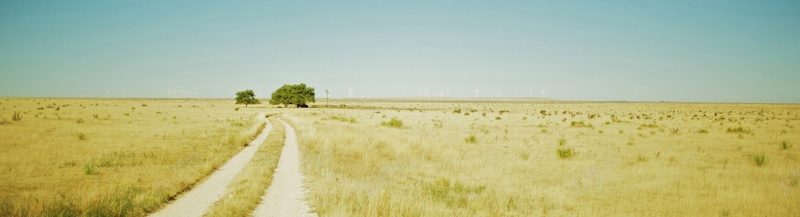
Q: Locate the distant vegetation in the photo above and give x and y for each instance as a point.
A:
(246, 97)
(295, 94)
(394, 122)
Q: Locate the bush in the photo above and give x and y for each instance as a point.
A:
(562, 141)
(737, 130)
(88, 169)
(457, 111)
(566, 153)
(471, 139)
(579, 124)
(393, 123)
(16, 116)
(759, 159)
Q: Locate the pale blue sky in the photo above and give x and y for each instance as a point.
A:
(713, 51)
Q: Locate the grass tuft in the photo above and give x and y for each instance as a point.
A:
(785, 145)
(81, 136)
(579, 124)
(88, 169)
(566, 153)
(760, 159)
(16, 116)
(394, 122)
(737, 130)
(471, 139)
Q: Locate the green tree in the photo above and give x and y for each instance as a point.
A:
(295, 94)
(246, 97)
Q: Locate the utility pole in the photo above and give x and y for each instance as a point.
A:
(327, 93)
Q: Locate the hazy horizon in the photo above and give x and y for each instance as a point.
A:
(682, 51)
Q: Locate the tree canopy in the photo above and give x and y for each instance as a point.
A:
(295, 94)
(246, 97)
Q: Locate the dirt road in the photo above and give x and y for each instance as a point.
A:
(284, 197)
(196, 201)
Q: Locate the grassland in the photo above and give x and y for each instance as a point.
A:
(550, 159)
(393, 157)
(112, 157)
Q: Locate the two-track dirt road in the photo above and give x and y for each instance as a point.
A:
(284, 196)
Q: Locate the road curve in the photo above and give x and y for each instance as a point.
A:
(284, 196)
(196, 201)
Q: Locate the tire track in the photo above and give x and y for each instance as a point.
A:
(196, 201)
(285, 195)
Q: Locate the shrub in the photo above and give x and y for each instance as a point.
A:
(702, 131)
(88, 169)
(236, 109)
(759, 159)
(79, 121)
(579, 124)
(457, 111)
(737, 130)
(471, 139)
(785, 145)
(437, 123)
(562, 141)
(16, 116)
(81, 136)
(394, 122)
(566, 153)
(502, 111)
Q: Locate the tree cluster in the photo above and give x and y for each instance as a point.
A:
(295, 94)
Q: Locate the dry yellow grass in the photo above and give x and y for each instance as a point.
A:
(109, 157)
(628, 159)
(245, 191)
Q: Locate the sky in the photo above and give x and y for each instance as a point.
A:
(685, 51)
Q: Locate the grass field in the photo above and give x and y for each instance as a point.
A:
(477, 158)
(112, 157)
(408, 157)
